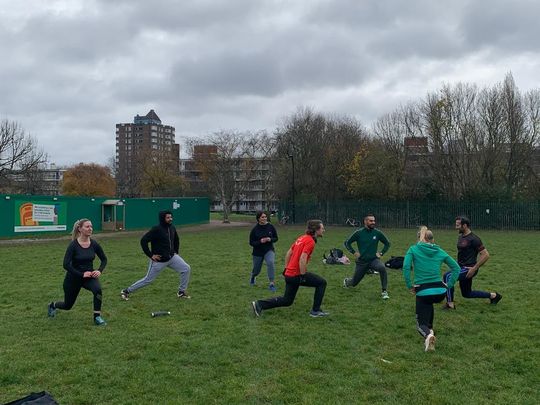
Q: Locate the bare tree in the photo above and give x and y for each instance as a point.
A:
(263, 146)
(521, 129)
(19, 153)
(228, 167)
(406, 168)
(320, 147)
(450, 124)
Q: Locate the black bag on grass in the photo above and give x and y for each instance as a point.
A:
(336, 256)
(395, 262)
(35, 398)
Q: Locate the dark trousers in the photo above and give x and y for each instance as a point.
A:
(72, 287)
(425, 313)
(291, 288)
(465, 285)
(363, 267)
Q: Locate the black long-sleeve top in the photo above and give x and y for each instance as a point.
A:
(78, 259)
(262, 231)
(164, 241)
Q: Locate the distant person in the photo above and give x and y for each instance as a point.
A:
(368, 257)
(471, 255)
(262, 238)
(296, 274)
(163, 252)
(425, 259)
(80, 273)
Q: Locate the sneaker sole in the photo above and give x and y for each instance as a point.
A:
(254, 307)
(429, 346)
(318, 316)
(124, 296)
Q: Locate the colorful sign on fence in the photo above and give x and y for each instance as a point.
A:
(40, 216)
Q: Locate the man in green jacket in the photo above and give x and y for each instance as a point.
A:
(368, 257)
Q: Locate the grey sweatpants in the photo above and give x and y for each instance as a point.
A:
(363, 267)
(154, 268)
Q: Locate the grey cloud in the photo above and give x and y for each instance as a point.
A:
(68, 77)
(503, 26)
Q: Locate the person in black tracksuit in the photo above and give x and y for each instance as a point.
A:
(80, 273)
(262, 238)
(163, 252)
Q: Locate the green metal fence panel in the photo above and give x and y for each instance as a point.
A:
(143, 212)
(30, 215)
(507, 215)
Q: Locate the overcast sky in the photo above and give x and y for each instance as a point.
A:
(72, 69)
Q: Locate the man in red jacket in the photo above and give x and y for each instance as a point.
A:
(296, 273)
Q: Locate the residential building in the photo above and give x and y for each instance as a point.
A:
(139, 142)
(46, 180)
(257, 192)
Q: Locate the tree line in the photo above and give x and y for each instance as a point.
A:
(458, 142)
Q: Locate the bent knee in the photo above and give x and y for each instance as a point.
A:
(288, 303)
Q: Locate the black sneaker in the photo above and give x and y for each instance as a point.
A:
(124, 294)
(183, 294)
(257, 310)
(318, 314)
(51, 310)
(493, 301)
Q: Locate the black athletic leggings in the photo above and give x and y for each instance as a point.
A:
(72, 287)
(424, 312)
(291, 288)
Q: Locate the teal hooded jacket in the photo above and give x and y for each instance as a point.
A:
(425, 260)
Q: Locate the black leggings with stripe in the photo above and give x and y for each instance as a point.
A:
(72, 287)
(425, 313)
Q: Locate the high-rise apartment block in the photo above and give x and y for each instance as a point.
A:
(140, 143)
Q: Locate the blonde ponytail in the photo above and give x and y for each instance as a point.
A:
(76, 226)
(425, 235)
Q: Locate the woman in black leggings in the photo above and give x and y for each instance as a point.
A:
(80, 273)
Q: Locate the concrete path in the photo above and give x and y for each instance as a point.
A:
(213, 224)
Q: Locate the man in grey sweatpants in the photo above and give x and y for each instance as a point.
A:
(163, 252)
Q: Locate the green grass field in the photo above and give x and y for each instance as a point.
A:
(213, 350)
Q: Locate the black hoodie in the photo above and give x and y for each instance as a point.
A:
(163, 239)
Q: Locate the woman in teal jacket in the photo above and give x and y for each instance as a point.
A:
(425, 259)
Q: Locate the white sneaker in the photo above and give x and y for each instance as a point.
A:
(384, 295)
(429, 343)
